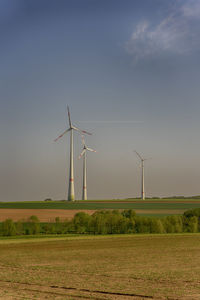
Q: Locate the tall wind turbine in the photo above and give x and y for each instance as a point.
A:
(83, 154)
(71, 195)
(142, 181)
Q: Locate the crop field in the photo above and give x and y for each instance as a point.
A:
(111, 267)
(94, 205)
(48, 211)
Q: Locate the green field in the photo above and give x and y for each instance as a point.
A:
(105, 267)
(93, 205)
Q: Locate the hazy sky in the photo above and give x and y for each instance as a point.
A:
(130, 72)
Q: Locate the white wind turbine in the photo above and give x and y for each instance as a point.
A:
(83, 154)
(71, 195)
(142, 181)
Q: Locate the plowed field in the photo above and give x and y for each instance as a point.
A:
(111, 267)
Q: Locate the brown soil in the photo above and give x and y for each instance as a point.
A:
(125, 267)
(44, 215)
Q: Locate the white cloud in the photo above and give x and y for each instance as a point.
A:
(177, 33)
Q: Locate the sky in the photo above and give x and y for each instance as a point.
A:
(129, 71)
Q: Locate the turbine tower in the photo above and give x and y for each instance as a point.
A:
(71, 195)
(142, 179)
(83, 154)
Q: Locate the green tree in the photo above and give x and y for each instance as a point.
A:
(129, 213)
(8, 228)
(98, 223)
(81, 222)
(19, 227)
(193, 213)
(156, 226)
(190, 224)
(33, 225)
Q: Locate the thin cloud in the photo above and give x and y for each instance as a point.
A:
(191, 9)
(177, 33)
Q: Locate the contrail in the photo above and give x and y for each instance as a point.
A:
(113, 122)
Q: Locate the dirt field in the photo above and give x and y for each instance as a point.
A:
(44, 215)
(49, 215)
(123, 267)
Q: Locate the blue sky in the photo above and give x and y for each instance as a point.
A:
(129, 70)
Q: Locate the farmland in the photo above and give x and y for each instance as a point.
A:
(109, 204)
(80, 267)
(47, 211)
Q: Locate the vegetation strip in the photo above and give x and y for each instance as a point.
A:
(105, 222)
(99, 205)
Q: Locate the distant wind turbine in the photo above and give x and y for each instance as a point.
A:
(71, 195)
(83, 154)
(142, 181)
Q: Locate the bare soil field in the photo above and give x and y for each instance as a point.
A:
(111, 267)
(49, 215)
(44, 215)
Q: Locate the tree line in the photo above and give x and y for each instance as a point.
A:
(105, 222)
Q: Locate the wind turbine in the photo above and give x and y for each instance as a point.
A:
(71, 195)
(142, 166)
(83, 154)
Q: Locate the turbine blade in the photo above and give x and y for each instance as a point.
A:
(92, 150)
(148, 158)
(62, 135)
(86, 132)
(80, 130)
(82, 153)
(83, 140)
(138, 155)
(69, 117)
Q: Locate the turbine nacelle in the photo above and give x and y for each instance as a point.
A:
(71, 127)
(85, 148)
(141, 158)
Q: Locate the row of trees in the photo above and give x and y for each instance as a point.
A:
(105, 222)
